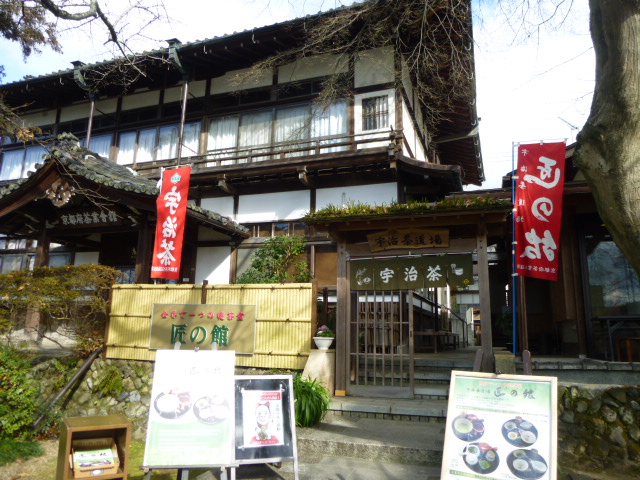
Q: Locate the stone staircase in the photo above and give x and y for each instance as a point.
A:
(396, 430)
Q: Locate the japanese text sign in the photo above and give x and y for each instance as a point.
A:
(408, 238)
(90, 217)
(538, 209)
(172, 214)
(500, 427)
(405, 273)
(230, 327)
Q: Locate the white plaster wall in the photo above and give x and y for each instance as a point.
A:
(198, 89)
(213, 264)
(230, 81)
(273, 206)
(108, 105)
(410, 134)
(39, 119)
(139, 100)
(173, 94)
(374, 67)
(312, 67)
(221, 205)
(378, 194)
(82, 258)
(75, 111)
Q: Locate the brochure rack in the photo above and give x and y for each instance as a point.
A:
(115, 427)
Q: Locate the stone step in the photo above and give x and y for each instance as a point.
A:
(439, 392)
(382, 440)
(420, 410)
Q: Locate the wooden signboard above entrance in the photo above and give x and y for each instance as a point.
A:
(408, 238)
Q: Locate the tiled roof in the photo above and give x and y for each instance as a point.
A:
(89, 165)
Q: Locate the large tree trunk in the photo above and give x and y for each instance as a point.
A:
(608, 152)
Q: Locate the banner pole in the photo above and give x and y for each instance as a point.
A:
(514, 273)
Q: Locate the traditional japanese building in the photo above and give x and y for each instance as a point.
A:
(266, 156)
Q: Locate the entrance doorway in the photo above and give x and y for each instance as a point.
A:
(381, 344)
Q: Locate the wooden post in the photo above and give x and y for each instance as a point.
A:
(342, 320)
(144, 250)
(32, 322)
(485, 298)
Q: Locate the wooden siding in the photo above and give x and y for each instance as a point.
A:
(284, 325)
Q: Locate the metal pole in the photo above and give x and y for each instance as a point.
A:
(185, 91)
(87, 142)
(514, 272)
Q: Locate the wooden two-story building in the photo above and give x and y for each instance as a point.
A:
(266, 154)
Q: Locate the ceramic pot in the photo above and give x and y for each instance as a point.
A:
(323, 343)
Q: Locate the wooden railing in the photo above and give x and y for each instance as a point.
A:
(321, 146)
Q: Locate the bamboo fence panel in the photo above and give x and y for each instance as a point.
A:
(285, 318)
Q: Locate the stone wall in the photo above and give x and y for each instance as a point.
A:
(598, 428)
(598, 425)
(109, 387)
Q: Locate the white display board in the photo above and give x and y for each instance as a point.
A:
(501, 427)
(191, 411)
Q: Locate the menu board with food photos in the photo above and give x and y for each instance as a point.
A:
(191, 412)
(501, 427)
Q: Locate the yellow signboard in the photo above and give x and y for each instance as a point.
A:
(230, 327)
(408, 238)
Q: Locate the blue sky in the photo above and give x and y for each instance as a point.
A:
(529, 88)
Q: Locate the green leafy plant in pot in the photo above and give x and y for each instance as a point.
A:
(311, 400)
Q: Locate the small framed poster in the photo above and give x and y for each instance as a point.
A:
(265, 419)
(501, 427)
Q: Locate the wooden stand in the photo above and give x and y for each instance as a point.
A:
(115, 427)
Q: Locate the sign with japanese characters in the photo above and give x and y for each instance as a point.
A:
(230, 327)
(265, 419)
(191, 411)
(500, 427)
(404, 273)
(89, 217)
(538, 209)
(172, 215)
(408, 238)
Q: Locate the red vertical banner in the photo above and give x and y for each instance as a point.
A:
(538, 209)
(172, 215)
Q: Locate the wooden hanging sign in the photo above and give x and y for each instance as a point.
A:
(408, 238)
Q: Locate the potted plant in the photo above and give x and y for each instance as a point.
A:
(324, 337)
(311, 401)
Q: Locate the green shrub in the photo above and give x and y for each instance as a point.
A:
(111, 382)
(76, 297)
(311, 400)
(18, 394)
(278, 260)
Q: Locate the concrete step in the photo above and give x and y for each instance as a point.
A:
(383, 440)
(432, 391)
(420, 410)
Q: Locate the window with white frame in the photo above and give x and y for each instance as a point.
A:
(375, 112)
(285, 128)
(157, 143)
(16, 163)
